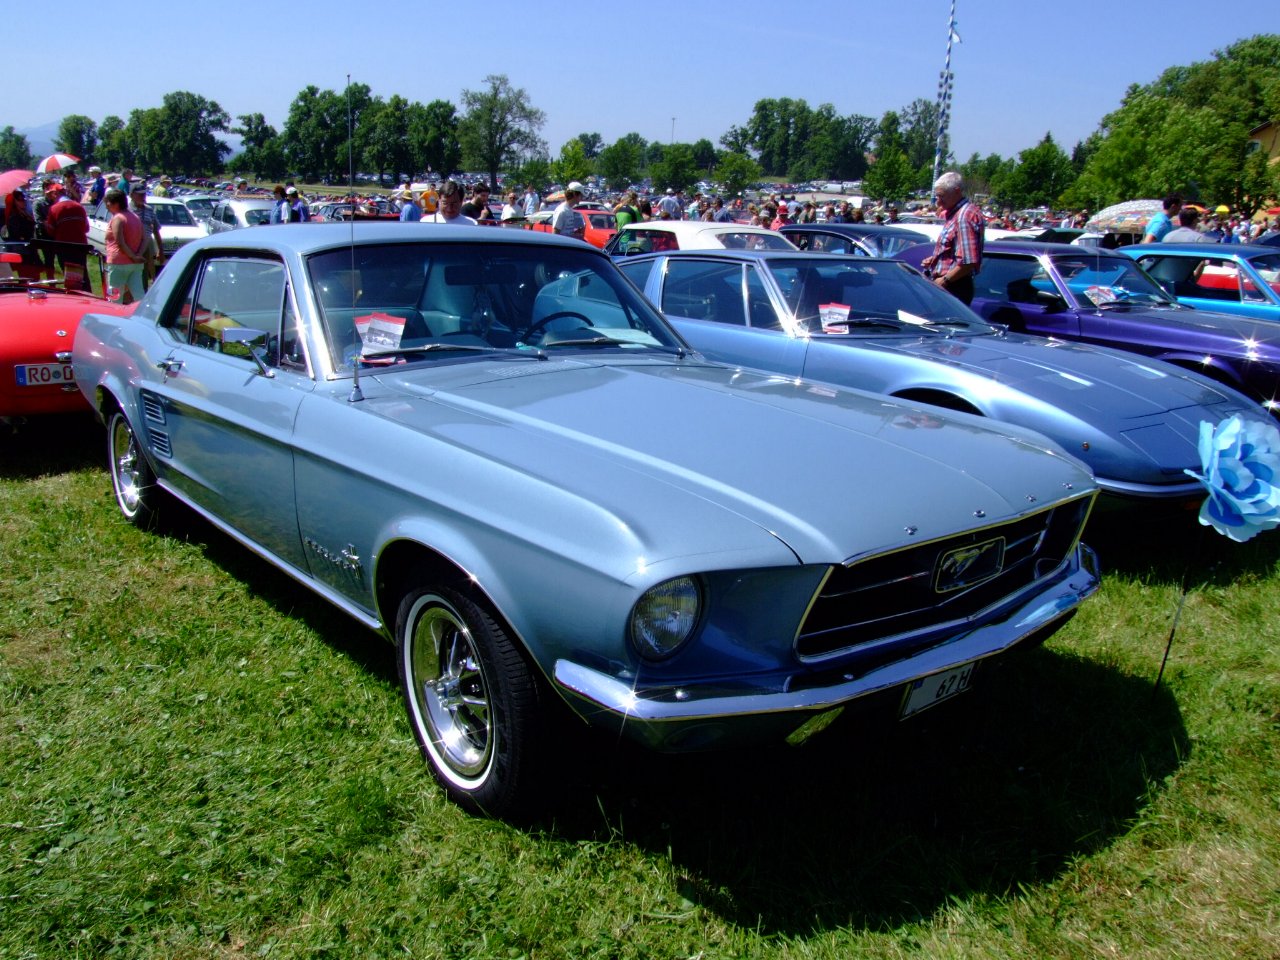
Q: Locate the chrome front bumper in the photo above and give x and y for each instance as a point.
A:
(694, 716)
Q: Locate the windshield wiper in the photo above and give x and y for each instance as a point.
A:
(598, 342)
(389, 355)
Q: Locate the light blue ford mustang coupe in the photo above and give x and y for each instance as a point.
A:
(486, 445)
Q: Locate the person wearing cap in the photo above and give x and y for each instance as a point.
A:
(297, 206)
(781, 218)
(410, 212)
(163, 189)
(566, 220)
(153, 248)
(67, 225)
(669, 206)
(98, 188)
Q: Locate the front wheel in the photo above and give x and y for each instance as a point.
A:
(134, 483)
(472, 698)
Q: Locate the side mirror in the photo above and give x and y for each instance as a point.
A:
(1050, 301)
(245, 341)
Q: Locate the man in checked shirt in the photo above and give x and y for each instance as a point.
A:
(957, 254)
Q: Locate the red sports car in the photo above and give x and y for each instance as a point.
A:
(36, 329)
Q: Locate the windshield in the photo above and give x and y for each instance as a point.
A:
(841, 296)
(388, 298)
(1268, 267)
(200, 206)
(1103, 280)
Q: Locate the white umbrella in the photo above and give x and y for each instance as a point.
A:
(56, 161)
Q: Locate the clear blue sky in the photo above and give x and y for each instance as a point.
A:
(1022, 68)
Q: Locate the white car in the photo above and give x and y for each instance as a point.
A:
(654, 236)
(177, 225)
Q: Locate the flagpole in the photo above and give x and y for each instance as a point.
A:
(944, 95)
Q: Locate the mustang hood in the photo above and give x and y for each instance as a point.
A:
(831, 473)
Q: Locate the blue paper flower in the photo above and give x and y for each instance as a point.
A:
(1241, 463)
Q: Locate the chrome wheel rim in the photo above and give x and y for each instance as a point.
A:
(450, 690)
(125, 472)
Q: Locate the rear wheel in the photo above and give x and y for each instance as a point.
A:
(472, 698)
(132, 479)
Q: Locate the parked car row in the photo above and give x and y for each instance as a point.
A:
(816, 481)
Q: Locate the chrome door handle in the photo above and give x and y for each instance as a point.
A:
(170, 366)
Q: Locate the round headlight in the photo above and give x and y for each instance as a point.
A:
(664, 617)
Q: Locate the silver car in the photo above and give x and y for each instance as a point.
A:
(237, 213)
(486, 445)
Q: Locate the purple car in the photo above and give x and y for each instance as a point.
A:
(1104, 297)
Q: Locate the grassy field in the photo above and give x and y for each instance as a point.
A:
(198, 759)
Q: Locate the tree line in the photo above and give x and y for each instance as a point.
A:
(1187, 132)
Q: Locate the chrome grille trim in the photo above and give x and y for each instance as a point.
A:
(889, 600)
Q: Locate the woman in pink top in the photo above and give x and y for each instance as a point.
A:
(124, 248)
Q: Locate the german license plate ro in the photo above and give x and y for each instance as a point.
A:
(44, 374)
(927, 691)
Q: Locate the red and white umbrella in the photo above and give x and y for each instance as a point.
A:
(56, 161)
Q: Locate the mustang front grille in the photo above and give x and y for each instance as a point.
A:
(910, 594)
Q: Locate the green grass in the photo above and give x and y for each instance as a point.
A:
(198, 759)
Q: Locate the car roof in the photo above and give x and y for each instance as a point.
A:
(854, 229)
(1205, 249)
(249, 201)
(1037, 248)
(716, 253)
(305, 238)
(693, 227)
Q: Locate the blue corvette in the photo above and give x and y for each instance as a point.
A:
(487, 446)
(877, 325)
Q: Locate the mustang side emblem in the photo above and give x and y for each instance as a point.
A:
(967, 566)
(347, 559)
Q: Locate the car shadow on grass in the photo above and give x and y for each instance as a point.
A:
(51, 445)
(340, 632)
(874, 823)
(1168, 545)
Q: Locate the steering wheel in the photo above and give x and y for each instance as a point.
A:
(539, 324)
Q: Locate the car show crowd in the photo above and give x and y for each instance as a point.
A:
(50, 218)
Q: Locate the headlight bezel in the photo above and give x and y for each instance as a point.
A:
(665, 617)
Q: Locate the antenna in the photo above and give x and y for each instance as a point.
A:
(356, 394)
(945, 81)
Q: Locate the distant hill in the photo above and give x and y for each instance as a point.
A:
(40, 138)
